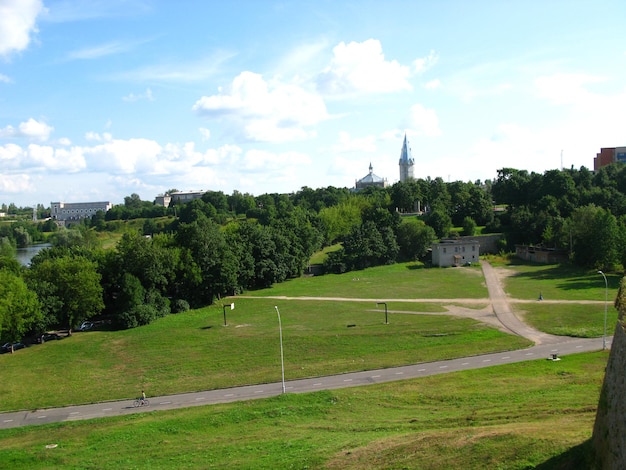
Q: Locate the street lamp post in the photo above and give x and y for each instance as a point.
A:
(282, 360)
(385, 304)
(606, 296)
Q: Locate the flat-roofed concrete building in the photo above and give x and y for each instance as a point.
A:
(455, 252)
(75, 211)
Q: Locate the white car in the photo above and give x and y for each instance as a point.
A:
(86, 325)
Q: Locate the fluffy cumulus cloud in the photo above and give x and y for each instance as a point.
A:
(15, 184)
(31, 129)
(17, 22)
(40, 158)
(361, 67)
(266, 111)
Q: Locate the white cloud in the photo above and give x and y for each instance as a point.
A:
(31, 129)
(265, 112)
(361, 67)
(562, 89)
(95, 52)
(15, 184)
(349, 144)
(423, 121)
(433, 84)
(17, 23)
(35, 129)
(123, 156)
(425, 63)
(146, 95)
(5, 79)
(65, 141)
(205, 133)
(41, 158)
(92, 136)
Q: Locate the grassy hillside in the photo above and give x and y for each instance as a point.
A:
(536, 414)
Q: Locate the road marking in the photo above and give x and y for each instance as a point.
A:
(258, 391)
(421, 370)
(41, 417)
(200, 398)
(578, 347)
(399, 373)
(107, 409)
(7, 421)
(348, 380)
(165, 403)
(75, 413)
(530, 354)
(443, 367)
(229, 395)
(486, 360)
(506, 357)
(375, 376)
(465, 364)
(317, 384)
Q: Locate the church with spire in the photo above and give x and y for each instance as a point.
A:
(406, 162)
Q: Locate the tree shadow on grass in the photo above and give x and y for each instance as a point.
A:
(571, 278)
(580, 457)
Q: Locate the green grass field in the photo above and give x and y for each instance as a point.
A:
(514, 416)
(195, 351)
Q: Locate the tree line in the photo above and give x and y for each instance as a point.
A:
(190, 255)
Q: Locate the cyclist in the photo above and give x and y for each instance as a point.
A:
(143, 398)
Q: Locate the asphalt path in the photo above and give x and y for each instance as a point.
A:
(547, 347)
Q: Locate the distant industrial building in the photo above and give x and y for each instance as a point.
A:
(609, 155)
(64, 212)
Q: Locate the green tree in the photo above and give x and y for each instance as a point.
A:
(74, 284)
(19, 307)
(414, 239)
(469, 226)
(440, 221)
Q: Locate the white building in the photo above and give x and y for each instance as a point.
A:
(455, 252)
(74, 211)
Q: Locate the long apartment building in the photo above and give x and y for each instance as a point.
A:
(74, 211)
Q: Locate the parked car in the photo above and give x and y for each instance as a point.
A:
(86, 325)
(6, 347)
(48, 337)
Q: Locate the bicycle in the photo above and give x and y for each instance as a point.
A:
(141, 402)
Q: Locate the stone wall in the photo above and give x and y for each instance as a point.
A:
(609, 430)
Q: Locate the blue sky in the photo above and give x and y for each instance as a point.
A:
(102, 99)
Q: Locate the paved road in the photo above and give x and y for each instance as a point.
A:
(545, 346)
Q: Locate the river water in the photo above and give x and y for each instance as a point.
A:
(24, 255)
